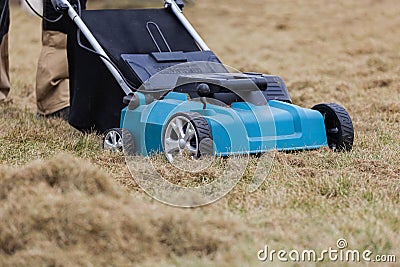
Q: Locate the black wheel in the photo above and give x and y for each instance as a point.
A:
(187, 133)
(118, 139)
(338, 125)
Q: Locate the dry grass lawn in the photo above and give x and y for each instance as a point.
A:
(66, 202)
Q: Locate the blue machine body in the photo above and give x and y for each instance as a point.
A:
(241, 128)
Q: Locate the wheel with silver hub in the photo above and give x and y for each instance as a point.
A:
(187, 134)
(113, 140)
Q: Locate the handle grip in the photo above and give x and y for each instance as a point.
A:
(180, 4)
(60, 5)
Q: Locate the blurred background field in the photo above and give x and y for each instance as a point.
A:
(64, 201)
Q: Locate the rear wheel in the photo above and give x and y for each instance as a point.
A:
(118, 139)
(113, 140)
(338, 125)
(187, 134)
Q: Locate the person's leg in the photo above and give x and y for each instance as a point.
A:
(52, 84)
(4, 69)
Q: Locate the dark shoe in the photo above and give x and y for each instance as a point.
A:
(62, 114)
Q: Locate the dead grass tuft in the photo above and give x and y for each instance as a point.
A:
(379, 83)
(67, 212)
(63, 173)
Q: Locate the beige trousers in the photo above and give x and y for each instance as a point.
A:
(52, 83)
(4, 69)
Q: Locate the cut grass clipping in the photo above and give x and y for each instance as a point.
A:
(67, 212)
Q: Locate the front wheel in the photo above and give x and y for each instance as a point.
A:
(187, 134)
(338, 125)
